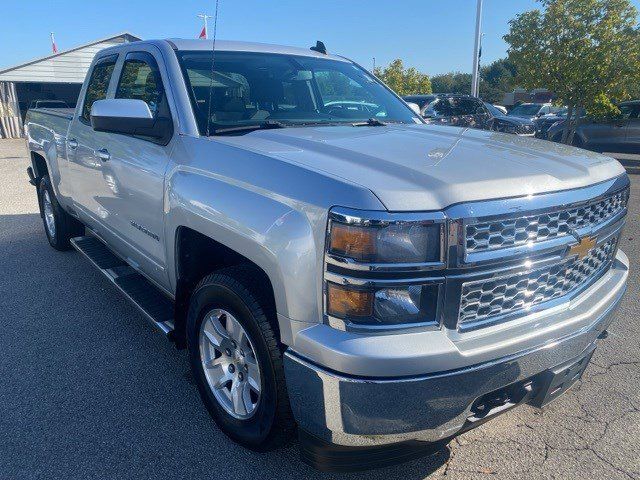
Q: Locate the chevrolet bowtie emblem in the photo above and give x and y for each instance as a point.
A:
(583, 247)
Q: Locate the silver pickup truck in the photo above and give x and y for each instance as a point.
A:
(334, 266)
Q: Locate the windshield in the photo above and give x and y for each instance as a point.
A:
(257, 88)
(525, 110)
(493, 110)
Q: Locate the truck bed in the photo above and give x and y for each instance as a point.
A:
(58, 112)
(47, 126)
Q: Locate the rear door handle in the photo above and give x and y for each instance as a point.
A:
(73, 143)
(103, 154)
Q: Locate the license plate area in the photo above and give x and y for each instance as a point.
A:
(556, 381)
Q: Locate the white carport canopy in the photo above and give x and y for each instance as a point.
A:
(65, 67)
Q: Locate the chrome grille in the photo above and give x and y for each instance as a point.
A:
(515, 231)
(525, 129)
(520, 291)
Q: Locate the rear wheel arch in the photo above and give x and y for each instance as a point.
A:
(39, 164)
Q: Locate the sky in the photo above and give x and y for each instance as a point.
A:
(432, 35)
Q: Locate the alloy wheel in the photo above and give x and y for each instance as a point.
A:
(230, 364)
(49, 217)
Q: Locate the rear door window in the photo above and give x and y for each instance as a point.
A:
(98, 84)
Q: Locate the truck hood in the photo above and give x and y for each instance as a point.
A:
(426, 167)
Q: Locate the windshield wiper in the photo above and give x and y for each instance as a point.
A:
(266, 125)
(372, 122)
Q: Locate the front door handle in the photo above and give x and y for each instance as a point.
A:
(103, 154)
(73, 143)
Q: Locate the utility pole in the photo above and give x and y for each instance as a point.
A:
(476, 51)
(479, 66)
(204, 18)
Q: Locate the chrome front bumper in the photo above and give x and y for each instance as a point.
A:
(355, 411)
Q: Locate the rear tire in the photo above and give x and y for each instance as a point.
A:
(231, 297)
(59, 226)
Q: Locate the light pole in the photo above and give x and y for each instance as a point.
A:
(204, 18)
(476, 51)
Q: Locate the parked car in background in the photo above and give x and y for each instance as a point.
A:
(617, 135)
(507, 124)
(459, 111)
(532, 110)
(466, 111)
(544, 122)
(421, 100)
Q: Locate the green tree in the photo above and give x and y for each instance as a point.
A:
(586, 51)
(403, 81)
(496, 79)
(452, 82)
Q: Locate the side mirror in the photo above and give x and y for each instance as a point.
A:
(128, 116)
(415, 107)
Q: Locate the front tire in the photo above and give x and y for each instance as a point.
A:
(59, 226)
(236, 359)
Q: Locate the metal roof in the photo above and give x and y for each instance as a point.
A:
(67, 66)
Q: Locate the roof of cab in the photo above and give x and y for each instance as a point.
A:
(235, 46)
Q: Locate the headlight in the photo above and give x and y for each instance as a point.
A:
(398, 305)
(391, 247)
(384, 241)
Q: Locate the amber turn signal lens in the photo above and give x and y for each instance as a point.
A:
(353, 241)
(343, 302)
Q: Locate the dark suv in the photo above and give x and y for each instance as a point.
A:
(471, 112)
(422, 100)
(617, 135)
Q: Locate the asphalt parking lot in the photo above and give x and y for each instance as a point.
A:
(89, 390)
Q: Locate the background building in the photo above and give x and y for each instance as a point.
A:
(55, 77)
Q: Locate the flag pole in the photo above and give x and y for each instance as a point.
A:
(204, 18)
(53, 43)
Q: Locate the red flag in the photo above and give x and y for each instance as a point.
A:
(203, 33)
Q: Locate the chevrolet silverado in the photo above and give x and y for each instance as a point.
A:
(335, 268)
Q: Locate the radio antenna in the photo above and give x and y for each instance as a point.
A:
(213, 51)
